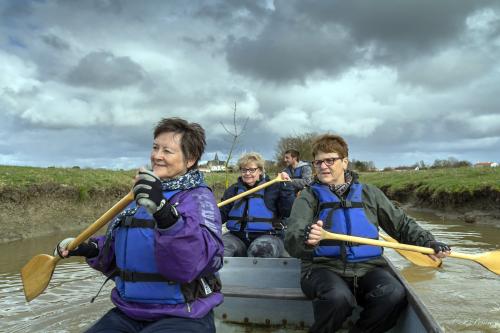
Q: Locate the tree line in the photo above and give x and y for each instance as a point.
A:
(303, 143)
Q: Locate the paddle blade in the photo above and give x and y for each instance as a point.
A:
(416, 258)
(490, 260)
(36, 275)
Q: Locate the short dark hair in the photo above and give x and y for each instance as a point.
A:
(293, 153)
(330, 143)
(193, 137)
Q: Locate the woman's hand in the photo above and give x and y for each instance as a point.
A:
(313, 233)
(87, 250)
(147, 191)
(442, 250)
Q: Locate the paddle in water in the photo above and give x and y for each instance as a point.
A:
(489, 260)
(36, 274)
(416, 258)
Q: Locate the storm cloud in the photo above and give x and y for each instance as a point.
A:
(402, 81)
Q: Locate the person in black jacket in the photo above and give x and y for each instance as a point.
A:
(255, 222)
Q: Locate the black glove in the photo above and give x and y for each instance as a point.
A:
(149, 194)
(87, 250)
(166, 216)
(307, 230)
(438, 246)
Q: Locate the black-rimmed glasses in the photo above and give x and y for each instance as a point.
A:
(248, 170)
(327, 161)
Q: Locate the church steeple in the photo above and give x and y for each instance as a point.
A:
(216, 158)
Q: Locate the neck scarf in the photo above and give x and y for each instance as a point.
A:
(340, 189)
(191, 179)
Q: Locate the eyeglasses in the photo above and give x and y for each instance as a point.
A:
(248, 170)
(328, 161)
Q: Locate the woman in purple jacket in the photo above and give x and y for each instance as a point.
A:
(164, 250)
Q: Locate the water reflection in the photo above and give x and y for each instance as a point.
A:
(462, 295)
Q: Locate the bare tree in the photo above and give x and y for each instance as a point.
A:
(301, 143)
(235, 134)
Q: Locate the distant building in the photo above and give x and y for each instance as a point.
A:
(214, 165)
(486, 164)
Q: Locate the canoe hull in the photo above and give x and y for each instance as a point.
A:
(266, 291)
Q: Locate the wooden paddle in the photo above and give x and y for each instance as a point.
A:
(255, 189)
(416, 258)
(489, 260)
(36, 274)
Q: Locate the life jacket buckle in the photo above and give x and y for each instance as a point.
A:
(127, 222)
(346, 204)
(127, 276)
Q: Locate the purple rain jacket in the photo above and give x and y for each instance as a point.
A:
(190, 248)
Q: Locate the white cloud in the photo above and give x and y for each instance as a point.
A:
(415, 101)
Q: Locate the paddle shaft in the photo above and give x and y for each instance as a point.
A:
(255, 189)
(368, 241)
(100, 222)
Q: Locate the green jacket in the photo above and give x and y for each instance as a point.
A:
(378, 209)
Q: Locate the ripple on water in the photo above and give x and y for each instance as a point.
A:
(473, 325)
(462, 295)
(59, 309)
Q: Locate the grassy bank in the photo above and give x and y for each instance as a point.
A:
(441, 188)
(22, 183)
(40, 201)
(431, 186)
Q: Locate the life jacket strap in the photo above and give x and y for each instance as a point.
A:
(102, 285)
(341, 204)
(131, 276)
(250, 219)
(132, 222)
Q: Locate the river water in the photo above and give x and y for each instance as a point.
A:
(462, 295)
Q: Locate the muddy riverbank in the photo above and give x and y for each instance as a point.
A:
(470, 207)
(43, 210)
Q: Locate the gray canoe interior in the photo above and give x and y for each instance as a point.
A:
(267, 292)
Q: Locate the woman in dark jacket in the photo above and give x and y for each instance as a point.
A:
(339, 275)
(256, 222)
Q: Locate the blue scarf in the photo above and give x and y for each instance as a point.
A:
(191, 179)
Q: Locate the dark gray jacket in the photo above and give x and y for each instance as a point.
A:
(306, 175)
(378, 209)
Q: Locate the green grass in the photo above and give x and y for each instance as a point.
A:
(456, 180)
(84, 180)
(22, 177)
(434, 182)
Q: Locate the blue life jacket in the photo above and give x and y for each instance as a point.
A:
(137, 278)
(345, 217)
(297, 172)
(250, 214)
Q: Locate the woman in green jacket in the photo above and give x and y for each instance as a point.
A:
(338, 275)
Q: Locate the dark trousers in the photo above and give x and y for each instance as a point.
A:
(379, 293)
(116, 321)
(264, 246)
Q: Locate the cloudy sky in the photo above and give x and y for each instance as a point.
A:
(84, 82)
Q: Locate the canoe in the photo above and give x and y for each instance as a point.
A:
(266, 291)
